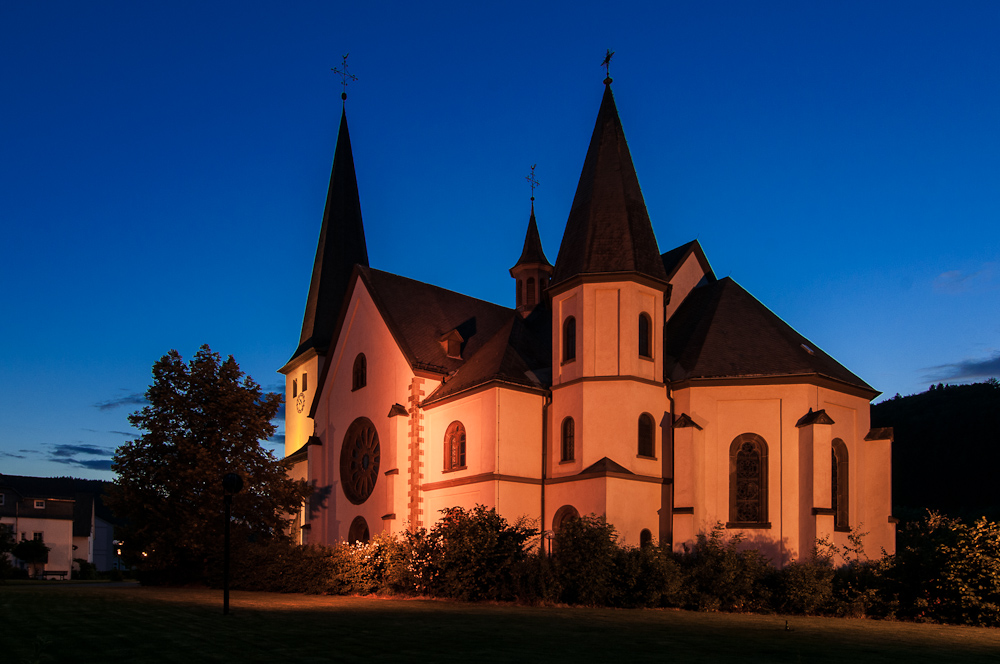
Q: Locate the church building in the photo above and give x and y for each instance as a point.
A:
(622, 382)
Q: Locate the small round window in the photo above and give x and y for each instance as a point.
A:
(359, 460)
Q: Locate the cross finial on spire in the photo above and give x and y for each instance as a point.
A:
(532, 181)
(344, 76)
(607, 66)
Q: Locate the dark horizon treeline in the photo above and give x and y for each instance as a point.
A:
(946, 450)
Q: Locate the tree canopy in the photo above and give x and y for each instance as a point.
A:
(203, 419)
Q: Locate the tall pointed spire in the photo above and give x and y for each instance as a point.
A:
(341, 246)
(608, 230)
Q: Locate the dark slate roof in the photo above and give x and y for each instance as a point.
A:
(673, 259)
(532, 252)
(341, 245)
(721, 331)
(419, 314)
(608, 229)
(518, 354)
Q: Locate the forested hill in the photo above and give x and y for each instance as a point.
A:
(946, 454)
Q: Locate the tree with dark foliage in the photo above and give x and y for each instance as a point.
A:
(203, 420)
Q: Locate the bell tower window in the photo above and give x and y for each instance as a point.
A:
(645, 336)
(569, 339)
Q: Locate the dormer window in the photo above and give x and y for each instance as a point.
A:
(452, 344)
(39, 504)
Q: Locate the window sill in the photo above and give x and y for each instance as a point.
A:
(455, 469)
(749, 526)
(567, 461)
(569, 361)
(643, 456)
(648, 358)
(842, 529)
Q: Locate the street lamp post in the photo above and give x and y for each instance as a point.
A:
(231, 484)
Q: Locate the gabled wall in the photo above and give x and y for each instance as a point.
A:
(389, 382)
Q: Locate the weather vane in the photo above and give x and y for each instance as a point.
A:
(532, 181)
(344, 76)
(607, 65)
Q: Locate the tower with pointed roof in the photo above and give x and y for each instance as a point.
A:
(607, 296)
(341, 246)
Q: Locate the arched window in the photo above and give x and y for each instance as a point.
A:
(520, 294)
(454, 446)
(360, 372)
(562, 515)
(748, 481)
(569, 339)
(839, 486)
(568, 439)
(645, 538)
(645, 336)
(530, 295)
(647, 435)
(358, 531)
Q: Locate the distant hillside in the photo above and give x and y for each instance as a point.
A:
(946, 454)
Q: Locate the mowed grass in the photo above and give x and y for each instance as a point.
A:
(64, 622)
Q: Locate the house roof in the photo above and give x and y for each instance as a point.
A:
(85, 493)
(518, 354)
(419, 315)
(341, 245)
(721, 331)
(608, 230)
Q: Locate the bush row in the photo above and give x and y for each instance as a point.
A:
(944, 570)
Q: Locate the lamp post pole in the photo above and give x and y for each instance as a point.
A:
(231, 484)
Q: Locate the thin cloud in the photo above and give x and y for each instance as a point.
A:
(965, 370)
(73, 450)
(78, 456)
(12, 456)
(954, 282)
(89, 464)
(134, 399)
(277, 439)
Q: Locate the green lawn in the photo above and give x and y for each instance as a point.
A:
(64, 622)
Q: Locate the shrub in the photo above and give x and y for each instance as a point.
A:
(469, 555)
(948, 571)
(367, 567)
(584, 554)
(720, 576)
(277, 566)
(806, 586)
(647, 576)
(85, 571)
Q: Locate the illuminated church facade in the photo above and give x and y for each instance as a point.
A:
(623, 382)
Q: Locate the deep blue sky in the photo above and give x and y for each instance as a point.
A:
(163, 168)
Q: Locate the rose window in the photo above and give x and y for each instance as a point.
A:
(359, 460)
